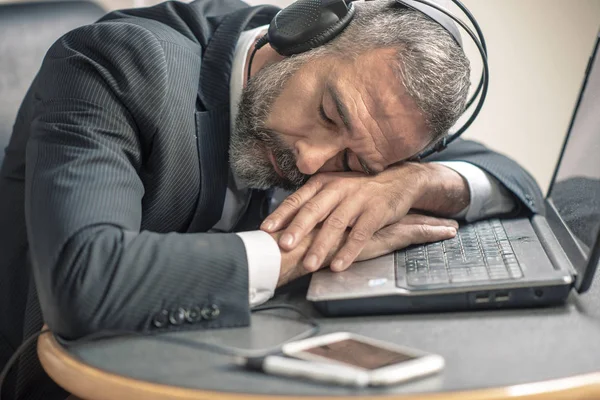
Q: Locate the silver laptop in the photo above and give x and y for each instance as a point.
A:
(499, 262)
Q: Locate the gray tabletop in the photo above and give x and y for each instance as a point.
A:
(482, 349)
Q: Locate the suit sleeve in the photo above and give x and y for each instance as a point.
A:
(99, 89)
(511, 175)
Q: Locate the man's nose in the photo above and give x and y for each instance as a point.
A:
(316, 158)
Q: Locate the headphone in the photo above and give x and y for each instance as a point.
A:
(306, 24)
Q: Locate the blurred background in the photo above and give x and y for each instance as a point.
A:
(538, 52)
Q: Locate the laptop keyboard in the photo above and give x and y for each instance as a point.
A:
(479, 252)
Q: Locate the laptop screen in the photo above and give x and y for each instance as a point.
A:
(575, 191)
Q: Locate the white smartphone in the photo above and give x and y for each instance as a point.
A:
(363, 360)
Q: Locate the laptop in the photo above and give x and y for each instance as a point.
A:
(518, 262)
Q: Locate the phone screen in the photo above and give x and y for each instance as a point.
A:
(359, 354)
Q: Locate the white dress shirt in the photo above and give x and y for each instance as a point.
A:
(488, 196)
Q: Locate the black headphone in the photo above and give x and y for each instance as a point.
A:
(306, 24)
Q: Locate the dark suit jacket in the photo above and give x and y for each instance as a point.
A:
(118, 165)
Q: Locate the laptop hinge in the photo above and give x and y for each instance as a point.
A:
(551, 246)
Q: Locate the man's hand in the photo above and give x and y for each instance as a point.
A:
(365, 203)
(412, 229)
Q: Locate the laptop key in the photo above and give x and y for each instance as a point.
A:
(437, 272)
(458, 270)
(437, 267)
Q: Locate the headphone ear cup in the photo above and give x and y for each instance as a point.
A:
(307, 24)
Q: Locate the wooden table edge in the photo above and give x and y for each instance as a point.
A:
(82, 380)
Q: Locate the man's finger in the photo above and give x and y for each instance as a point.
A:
(290, 206)
(330, 234)
(314, 211)
(415, 219)
(423, 233)
(399, 236)
(362, 232)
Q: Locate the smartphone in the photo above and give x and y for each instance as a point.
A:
(365, 360)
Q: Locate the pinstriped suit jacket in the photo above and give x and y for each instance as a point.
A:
(120, 152)
(126, 161)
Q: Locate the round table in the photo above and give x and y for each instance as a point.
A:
(550, 353)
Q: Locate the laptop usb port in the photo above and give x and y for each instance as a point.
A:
(501, 296)
(482, 298)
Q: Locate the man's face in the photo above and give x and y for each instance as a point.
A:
(330, 114)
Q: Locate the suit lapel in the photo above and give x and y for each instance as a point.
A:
(213, 123)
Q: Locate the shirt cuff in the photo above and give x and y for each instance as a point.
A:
(488, 196)
(264, 263)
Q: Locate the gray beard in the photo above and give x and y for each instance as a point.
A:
(251, 141)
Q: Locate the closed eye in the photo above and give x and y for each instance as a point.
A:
(324, 116)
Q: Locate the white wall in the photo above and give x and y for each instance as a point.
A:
(538, 51)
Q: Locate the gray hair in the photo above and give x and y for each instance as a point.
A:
(430, 64)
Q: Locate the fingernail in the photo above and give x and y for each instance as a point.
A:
(287, 239)
(267, 225)
(451, 231)
(311, 262)
(337, 265)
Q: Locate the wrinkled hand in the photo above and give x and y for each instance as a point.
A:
(411, 229)
(367, 204)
